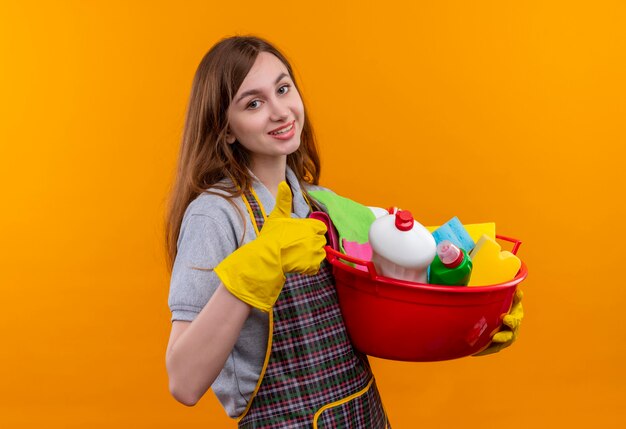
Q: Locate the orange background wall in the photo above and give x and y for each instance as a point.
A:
(490, 111)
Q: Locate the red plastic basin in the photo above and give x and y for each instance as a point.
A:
(406, 321)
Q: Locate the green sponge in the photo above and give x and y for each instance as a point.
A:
(351, 219)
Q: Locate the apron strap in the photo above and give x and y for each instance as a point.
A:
(255, 209)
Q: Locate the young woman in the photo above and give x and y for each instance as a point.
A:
(254, 310)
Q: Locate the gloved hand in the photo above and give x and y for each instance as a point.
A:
(510, 327)
(255, 273)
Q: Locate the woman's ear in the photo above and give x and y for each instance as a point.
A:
(230, 138)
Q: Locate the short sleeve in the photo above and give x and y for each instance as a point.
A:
(202, 244)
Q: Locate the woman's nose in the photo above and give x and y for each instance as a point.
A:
(279, 111)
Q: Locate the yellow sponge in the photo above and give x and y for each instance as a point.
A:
(491, 265)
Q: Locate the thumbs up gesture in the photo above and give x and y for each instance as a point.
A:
(255, 273)
(301, 241)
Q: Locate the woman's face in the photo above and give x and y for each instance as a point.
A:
(266, 115)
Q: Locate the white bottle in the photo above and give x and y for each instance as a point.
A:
(401, 247)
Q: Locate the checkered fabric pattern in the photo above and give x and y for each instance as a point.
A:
(364, 413)
(312, 362)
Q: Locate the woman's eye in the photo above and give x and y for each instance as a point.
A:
(285, 87)
(253, 104)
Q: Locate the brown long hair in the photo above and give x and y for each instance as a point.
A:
(205, 157)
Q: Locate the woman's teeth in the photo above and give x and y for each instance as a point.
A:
(284, 130)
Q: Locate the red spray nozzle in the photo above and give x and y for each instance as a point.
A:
(404, 220)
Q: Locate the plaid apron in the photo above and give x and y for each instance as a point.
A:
(312, 377)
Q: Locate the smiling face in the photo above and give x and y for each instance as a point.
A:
(266, 115)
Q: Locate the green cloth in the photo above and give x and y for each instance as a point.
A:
(351, 219)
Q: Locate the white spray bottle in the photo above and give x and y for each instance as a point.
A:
(402, 248)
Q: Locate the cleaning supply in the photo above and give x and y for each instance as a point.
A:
(491, 264)
(401, 247)
(454, 231)
(378, 211)
(475, 230)
(452, 266)
(255, 272)
(351, 219)
(359, 251)
(363, 251)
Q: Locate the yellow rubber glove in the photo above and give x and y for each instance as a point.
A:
(255, 273)
(510, 327)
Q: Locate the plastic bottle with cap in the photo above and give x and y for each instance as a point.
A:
(401, 247)
(452, 266)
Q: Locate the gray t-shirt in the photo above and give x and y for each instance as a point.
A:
(211, 229)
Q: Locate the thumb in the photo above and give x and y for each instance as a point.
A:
(282, 209)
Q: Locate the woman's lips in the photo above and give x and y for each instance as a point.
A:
(285, 135)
